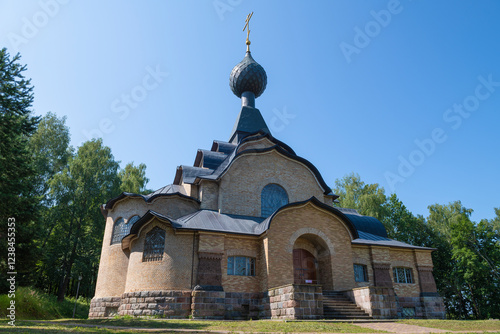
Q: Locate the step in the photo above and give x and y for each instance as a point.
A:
(336, 305)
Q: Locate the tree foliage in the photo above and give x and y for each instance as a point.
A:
(17, 193)
(133, 179)
(355, 194)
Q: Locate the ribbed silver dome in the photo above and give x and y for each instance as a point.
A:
(248, 76)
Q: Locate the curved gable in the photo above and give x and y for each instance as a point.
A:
(314, 202)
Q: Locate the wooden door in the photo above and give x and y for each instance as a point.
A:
(304, 267)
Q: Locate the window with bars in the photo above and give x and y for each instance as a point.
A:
(402, 275)
(360, 273)
(272, 198)
(241, 265)
(121, 228)
(154, 245)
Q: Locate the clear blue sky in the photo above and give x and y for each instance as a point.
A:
(364, 81)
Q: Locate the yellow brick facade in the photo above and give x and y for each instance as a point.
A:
(307, 225)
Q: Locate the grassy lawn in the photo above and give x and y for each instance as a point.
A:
(457, 325)
(247, 326)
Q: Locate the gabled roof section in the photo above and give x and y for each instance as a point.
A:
(209, 159)
(188, 174)
(168, 190)
(223, 147)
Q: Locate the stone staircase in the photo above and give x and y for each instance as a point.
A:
(338, 306)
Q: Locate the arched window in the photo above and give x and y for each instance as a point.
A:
(272, 198)
(132, 220)
(119, 230)
(122, 228)
(154, 245)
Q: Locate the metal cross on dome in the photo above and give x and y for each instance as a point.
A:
(247, 26)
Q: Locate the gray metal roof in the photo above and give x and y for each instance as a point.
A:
(365, 223)
(208, 220)
(249, 121)
(190, 175)
(213, 221)
(376, 240)
(168, 190)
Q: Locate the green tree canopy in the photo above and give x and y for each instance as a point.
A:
(133, 179)
(355, 194)
(50, 148)
(17, 200)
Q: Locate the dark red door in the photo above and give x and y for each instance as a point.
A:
(304, 267)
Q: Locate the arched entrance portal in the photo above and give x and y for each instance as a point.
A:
(312, 261)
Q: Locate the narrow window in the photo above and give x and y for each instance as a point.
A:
(402, 275)
(241, 266)
(360, 273)
(154, 245)
(272, 198)
(119, 228)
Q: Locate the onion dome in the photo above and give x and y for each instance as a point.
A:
(248, 76)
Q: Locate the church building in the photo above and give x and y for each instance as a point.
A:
(250, 231)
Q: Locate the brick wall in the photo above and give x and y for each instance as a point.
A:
(241, 185)
(174, 272)
(113, 268)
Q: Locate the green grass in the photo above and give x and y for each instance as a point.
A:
(33, 304)
(78, 326)
(457, 325)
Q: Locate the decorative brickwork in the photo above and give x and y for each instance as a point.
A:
(427, 283)
(296, 301)
(382, 274)
(209, 269)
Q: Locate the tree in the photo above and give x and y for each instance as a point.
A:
(51, 151)
(403, 226)
(355, 194)
(17, 124)
(133, 179)
(88, 181)
(467, 262)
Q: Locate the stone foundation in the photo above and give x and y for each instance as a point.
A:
(293, 301)
(208, 304)
(165, 303)
(296, 301)
(104, 307)
(378, 302)
(243, 306)
(383, 303)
